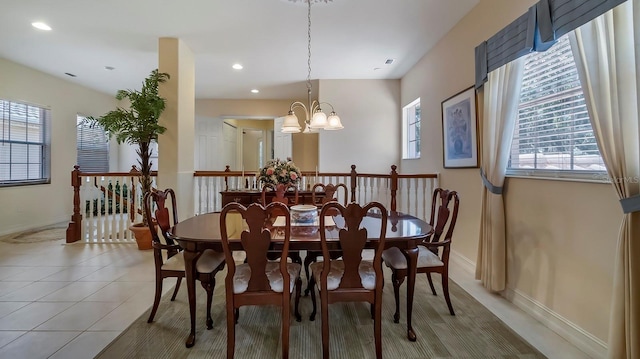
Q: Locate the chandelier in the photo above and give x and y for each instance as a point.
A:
(315, 118)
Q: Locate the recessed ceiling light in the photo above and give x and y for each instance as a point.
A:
(109, 68)
(41, 26)
(255, 91)
(237, 66)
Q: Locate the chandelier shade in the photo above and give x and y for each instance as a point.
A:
(315, 118)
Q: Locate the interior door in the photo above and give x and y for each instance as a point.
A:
(230, 148)
(282, 142)
(208, 144)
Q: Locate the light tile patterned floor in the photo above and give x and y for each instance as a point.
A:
(70, 301)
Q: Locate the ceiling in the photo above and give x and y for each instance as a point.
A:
(351, 39)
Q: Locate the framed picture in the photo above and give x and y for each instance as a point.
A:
(460, 130)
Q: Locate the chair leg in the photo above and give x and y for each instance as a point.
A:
(175, 291)
(286, 322)
(396, 280)
(373, 311)
(298, 289)
(445, 289)
(295, 257)
(208, 286)
(312, 286)
(324, 309)
(236, 315)
(231, 334)
(156, 300)
(308, 259)
(377, 325)
(433, 289)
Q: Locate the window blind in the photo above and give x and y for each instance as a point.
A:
(553, 130)
(24, 148)
(92, 148)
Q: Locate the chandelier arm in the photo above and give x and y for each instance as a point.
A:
(298, 104)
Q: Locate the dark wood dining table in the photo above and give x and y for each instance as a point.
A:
(203, 232)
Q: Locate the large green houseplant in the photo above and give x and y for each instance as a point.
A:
(138, 125)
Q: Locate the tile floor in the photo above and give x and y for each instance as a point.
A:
(70, 301)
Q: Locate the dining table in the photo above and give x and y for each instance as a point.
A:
(202, 232)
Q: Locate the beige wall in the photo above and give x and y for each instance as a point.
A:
(21, 207)
(560, 235)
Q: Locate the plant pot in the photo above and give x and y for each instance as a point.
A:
(142, 235)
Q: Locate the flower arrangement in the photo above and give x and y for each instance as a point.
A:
(278, 171)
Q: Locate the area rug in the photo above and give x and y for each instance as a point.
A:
(474, 332)
(51, 233)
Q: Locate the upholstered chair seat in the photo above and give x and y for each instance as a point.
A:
(208, 261)
(243, 274)
(394, 258)
(336, 271)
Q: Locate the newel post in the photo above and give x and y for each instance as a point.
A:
(354, 182)
(135, 176)
(394, 187)
(74, 228)
(226, 179)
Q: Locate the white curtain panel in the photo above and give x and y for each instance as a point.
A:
(501, 98)
(607, 54)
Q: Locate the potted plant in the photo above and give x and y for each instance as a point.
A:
(138, 125)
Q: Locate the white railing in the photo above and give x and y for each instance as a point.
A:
(413, 192)
(106, 204)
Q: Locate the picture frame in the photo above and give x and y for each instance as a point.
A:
(460, 130)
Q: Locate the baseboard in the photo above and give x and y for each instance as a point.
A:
(31, 226)
(575, 335)
(566, 329)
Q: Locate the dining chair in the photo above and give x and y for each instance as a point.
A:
(350, 279)
(330, 194)
(209, 263)
(433, 252)
(280, 195)
(259, 281)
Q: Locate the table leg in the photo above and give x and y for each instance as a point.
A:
(411, 255)
(190, 271)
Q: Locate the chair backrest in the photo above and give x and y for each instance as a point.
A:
(280, 190)
(442, 216)
(353, 239)
(256, 240)
(157, 213)
(330, 193)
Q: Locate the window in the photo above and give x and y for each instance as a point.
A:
(411, 130)
(553, 135)
(92, 147)
(24, 144)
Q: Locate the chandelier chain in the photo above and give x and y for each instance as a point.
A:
(309, 47)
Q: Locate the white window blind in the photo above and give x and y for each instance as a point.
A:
(92, 147)
(411, 120)
(553, 132)
(24, 144)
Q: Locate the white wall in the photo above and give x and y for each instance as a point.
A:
(370, 113)
(26, 207)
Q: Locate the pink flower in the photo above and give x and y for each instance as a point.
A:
(293, 175)
(269, 171)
